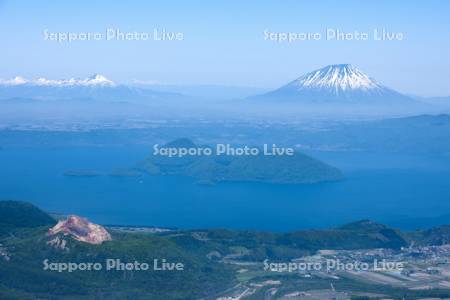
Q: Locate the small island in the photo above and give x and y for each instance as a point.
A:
(283, 169)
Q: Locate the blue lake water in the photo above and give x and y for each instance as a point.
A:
(397, 190)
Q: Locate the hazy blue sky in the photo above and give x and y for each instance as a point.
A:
(224, 42)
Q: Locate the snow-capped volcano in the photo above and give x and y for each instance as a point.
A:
(337, 77)
(94, 80)
(341, 83)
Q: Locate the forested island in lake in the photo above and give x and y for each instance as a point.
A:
(297, 168)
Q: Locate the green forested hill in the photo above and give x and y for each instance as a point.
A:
(15, 214)
(282, 169)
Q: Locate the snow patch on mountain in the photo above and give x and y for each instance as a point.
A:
(14, 81)
(94, 80)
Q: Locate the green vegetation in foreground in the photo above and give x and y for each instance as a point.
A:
(285, 246)
(206, 254)
(22, 275)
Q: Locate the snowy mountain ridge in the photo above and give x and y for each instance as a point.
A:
(94, 80)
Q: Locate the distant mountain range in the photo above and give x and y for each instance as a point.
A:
(205, 91)
(94, 80)
(96, 87)
(341, 85)
(336, 84)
